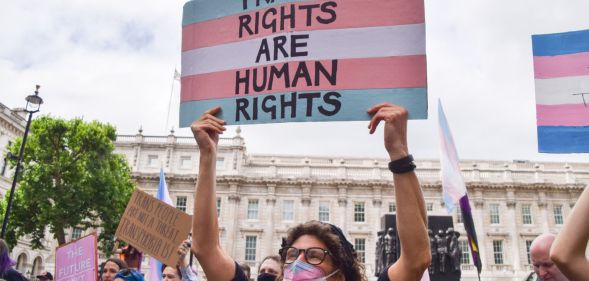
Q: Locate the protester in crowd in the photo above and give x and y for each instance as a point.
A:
(182, 271)
(45, 275)
(129, 274)
(6, 263)
(317, 250)
(270, 268)
(247, 270)
(568, 251)
(111, 267)
(540, 256)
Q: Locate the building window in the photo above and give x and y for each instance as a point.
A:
(76, 233)
(185, 162)
(181, 203)
(527, 214)
(360, 247)
(392, 208)
(288, 210)
(324, 211)
(558, 219)
(220, 163)
(465, 256)
(498, 251)
(252, 209)
(152, 161)
(528, 246)
(218, 207)
(429, 207)
(250, 248)
(359, 212)
(494, 213)
(459, 215)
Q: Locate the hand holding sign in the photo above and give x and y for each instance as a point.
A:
(206, 130)
(395, 130)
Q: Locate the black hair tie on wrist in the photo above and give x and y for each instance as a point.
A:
(402, 165)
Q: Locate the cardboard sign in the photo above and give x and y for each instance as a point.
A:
(271, 61)
(561, 71)
(77, 260)
(154, 227)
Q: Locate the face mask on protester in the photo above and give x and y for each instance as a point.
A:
(267, 277)
(302, 271)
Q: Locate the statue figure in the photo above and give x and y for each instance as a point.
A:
(388, 250)
(394, 253)
(379, 261)
(433, 251)
(442, 249)
(454, 249)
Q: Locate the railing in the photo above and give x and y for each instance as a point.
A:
(500, 267)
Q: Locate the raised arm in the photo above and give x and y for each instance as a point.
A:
(216, 264)
(411, 215)
(568, 250)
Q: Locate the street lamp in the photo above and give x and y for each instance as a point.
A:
(33, 104)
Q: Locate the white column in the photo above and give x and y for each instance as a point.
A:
(233, 224)
(268, 234)
(342, 202)
(512, 220)
(543, 212)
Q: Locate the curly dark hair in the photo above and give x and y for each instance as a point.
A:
(342, 252)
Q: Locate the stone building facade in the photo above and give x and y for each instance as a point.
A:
(29, 262)
(260, 196)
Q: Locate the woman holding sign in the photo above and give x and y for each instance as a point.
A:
(315, 250)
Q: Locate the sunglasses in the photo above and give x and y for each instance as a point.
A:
(313, 255)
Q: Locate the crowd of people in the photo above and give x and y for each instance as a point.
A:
(316, 250)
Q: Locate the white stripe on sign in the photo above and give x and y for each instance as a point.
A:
(371, 42)
(564, 90)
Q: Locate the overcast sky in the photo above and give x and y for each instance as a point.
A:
(114, 61)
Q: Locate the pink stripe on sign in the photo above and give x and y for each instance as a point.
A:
(367, 73)
(562, 115)
(349, 14)
(561, 66)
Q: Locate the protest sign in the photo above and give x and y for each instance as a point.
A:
(272, 61)
(561, 71)
(77, 260)
(154, 227)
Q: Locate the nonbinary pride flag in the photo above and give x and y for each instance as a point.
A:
(155, 273)
(561, 72)
(302, 60)
(454, 187)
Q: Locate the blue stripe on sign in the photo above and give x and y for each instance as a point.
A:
(561, 43)
(354, 104)
(561, 139)
(202, 10)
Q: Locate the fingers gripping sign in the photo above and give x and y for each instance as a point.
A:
(395, 127)
(207, 128)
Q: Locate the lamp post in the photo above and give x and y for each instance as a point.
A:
(33, 104)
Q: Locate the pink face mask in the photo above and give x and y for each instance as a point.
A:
(302, 271)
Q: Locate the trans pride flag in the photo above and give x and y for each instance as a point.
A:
(302, 60)
(155, 272)
(561, 71)
(454, 187)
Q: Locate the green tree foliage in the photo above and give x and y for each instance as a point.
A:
(70, 178)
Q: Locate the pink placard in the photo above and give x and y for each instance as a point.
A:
(76, 261)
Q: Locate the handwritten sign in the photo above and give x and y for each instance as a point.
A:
(77, 260)
(561, 71)
(154, 227)
(271, 61)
